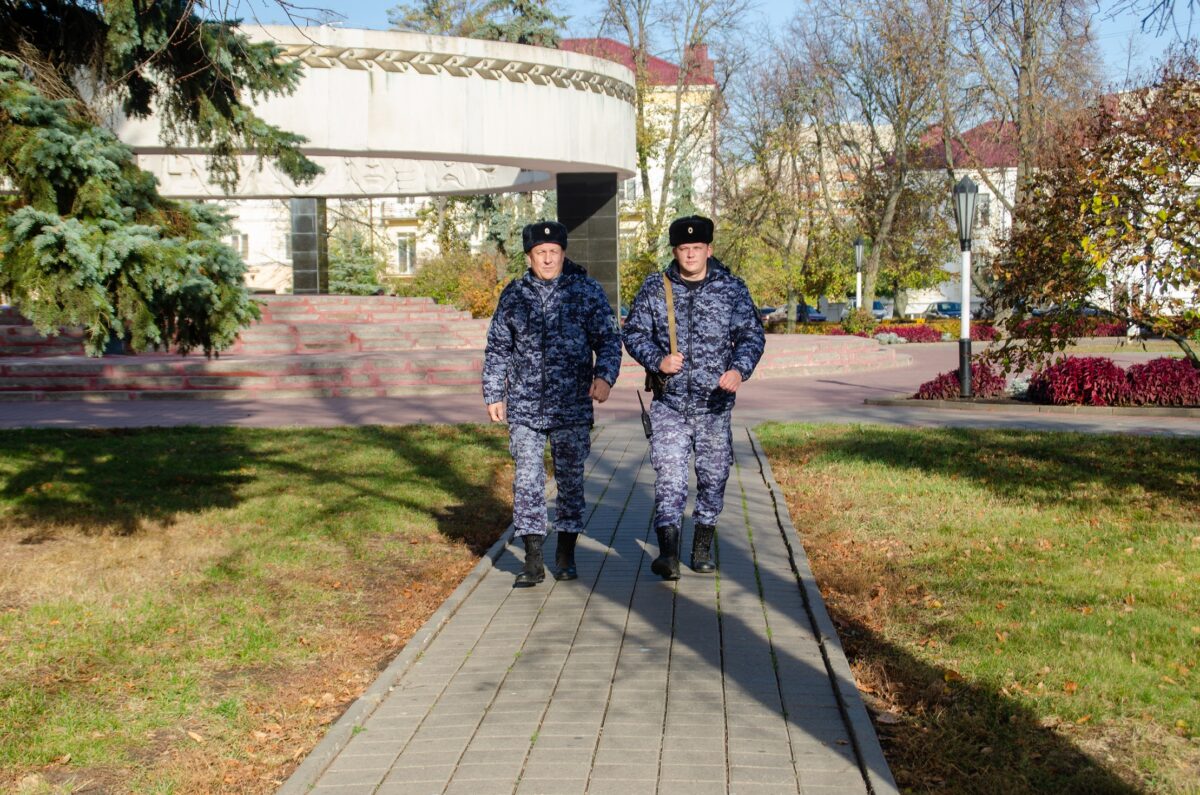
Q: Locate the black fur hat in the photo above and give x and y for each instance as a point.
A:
(543, 232)
(692, 229)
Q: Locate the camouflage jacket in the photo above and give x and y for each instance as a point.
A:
(540, 349)
(716, 327)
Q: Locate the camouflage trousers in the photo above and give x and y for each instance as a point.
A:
(569, 448)
(677, 438)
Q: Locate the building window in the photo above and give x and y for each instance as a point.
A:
(406, 254)
(985, 210)
(239, 242)
(629, 190)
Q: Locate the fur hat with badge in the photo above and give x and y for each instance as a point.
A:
(692, 229)
(536, 234)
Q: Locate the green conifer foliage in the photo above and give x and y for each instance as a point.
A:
(87, 240)
(199, 75)
(354, 265)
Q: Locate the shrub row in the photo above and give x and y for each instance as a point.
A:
(986, 382)
(1091, 329)
(1085, 381)
(1099, 381)
(911, 333)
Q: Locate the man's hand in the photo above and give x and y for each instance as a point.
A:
(671, 364)
(496, 411)
(730, 381)
(599, 390)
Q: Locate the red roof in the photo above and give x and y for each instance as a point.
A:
(700, 70)
(992, 144)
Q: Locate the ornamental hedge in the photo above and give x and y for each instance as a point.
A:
(1098, 381)
(911, 333)
(986, 382)
(1085, 381)
(1081, 381)
(1164, 382)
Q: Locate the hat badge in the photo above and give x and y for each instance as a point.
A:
(546, 230)
(691, 230)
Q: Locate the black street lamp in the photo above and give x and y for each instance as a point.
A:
(858, 255)
(966, 194)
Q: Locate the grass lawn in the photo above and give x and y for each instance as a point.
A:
(1022, 609)
(185, 610)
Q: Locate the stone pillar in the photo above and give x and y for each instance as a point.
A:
(587, 206)
(310, 247)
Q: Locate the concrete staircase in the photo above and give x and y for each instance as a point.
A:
(304, 346)
(335, 346)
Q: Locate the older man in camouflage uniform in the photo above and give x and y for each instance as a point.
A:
(552, 348)
(720, 340)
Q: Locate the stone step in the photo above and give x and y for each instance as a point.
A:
(339, 300)
(24, 340)
(302, 324)
(352, 374)
(250, 376)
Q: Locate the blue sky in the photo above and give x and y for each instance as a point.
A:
(1120, 39)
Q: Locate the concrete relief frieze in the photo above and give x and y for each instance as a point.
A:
(187, 175)
(457, 65)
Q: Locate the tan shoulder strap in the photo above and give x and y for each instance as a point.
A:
(670, 313)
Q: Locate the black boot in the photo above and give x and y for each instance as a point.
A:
(702, 537)
(666, 565)
(564, 557)
(534, 571)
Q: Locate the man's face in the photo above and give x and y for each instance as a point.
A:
(693, 259)
(546, 260)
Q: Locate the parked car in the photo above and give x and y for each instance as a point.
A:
(808, 314)
(765, 311)
(878, 308)
(950, 309)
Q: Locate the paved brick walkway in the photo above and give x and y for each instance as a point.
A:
(619, 682)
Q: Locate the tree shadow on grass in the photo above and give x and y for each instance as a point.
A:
(1047, 468)
(345, 483)
(963, 737)
(115, 480)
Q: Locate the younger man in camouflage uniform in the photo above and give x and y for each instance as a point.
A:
(720, 340)
(540, 377)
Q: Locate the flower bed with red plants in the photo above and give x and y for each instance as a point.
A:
(986, 382)
(1081, 381)
(911, 333)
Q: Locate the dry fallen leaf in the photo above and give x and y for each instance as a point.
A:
(1071, 687)
(196, 737)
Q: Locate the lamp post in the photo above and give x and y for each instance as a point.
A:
(966, 193)
(858, 255)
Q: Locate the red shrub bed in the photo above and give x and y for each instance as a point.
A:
(983, 332)
(1109, 330)
(1096, 329)
(1081, 380)
(985, 382)
(913, 333)
(1164, 382)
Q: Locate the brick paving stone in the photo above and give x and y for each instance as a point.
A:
(344, 789)
(625, 772)
(552, 786)
(622, 787)
(688, 787)
(619, 682)
(691, 772)
(345, 778)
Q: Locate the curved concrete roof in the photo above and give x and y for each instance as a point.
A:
(392, 114)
